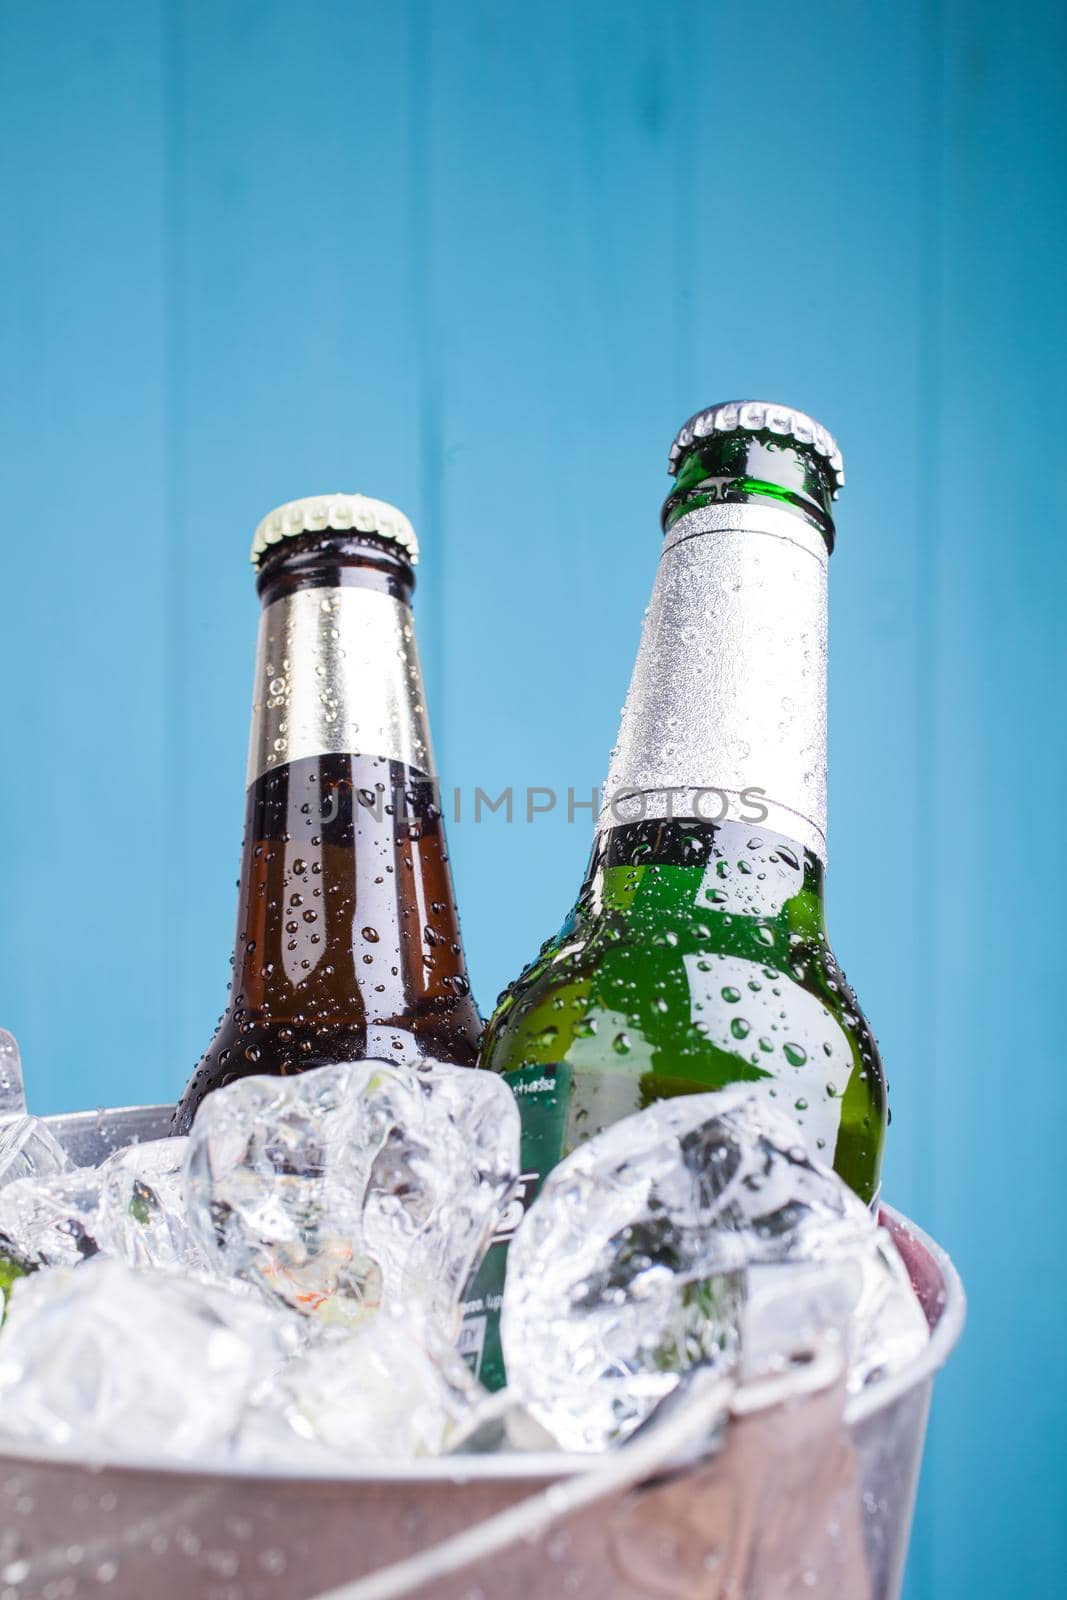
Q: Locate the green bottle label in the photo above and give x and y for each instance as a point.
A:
(543, 1093)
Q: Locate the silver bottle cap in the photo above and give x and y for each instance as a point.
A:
(337, 511)
(758, 416)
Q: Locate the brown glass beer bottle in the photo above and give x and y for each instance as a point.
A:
(348, 941)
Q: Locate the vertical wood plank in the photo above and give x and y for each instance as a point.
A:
(552, 282)
(295, 375)
(809, 211)
(81, 451)
(995, 1490)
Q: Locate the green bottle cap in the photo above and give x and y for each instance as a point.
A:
(759, 416)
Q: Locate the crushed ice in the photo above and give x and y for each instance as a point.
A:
(283, 1287)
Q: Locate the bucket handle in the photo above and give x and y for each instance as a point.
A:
(682, 1431)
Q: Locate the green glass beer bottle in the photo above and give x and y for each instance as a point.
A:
(348, 942)
(696, 955)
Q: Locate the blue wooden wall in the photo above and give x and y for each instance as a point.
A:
(482, 259)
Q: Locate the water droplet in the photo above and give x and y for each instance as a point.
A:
(795, 1054)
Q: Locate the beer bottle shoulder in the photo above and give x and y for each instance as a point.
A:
(646, 1001)
(251, 1043)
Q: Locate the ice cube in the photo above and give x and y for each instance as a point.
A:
(390, 1387)
(888, 1326)
(131, 1207)
(29, 1149)
(501, 1425)
(141, 1213)
(634, 1263)
(51, 1221)
(863, 1299)
(355, 1185)
(112, 1360)
(12, 1092)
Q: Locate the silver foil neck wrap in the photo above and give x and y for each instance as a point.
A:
(337, 672)
(726, 714)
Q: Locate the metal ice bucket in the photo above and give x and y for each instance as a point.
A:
(807, 1492)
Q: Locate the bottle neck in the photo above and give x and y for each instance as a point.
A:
(755, 468)
(337, 666)
(723, 869)
(346, 912)
(725, 720)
